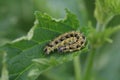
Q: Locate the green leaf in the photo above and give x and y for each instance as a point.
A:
(26, 59)
(58, 25)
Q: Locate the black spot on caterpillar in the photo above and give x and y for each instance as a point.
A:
(67, 42)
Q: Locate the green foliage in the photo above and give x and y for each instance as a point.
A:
(97, 39)
(105, 10)
(26, 59)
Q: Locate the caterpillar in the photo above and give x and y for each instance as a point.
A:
(67, 42)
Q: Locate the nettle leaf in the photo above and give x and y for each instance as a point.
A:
(60, 25)
(26, 59)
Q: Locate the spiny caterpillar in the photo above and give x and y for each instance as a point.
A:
(67, 42)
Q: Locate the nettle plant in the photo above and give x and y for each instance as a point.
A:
(25, 58)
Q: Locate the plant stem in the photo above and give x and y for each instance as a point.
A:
(77, 68)
(98, 27)
(101, 26)
(4, 75)
(89, 65)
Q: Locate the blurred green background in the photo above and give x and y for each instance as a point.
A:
(17, 17)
